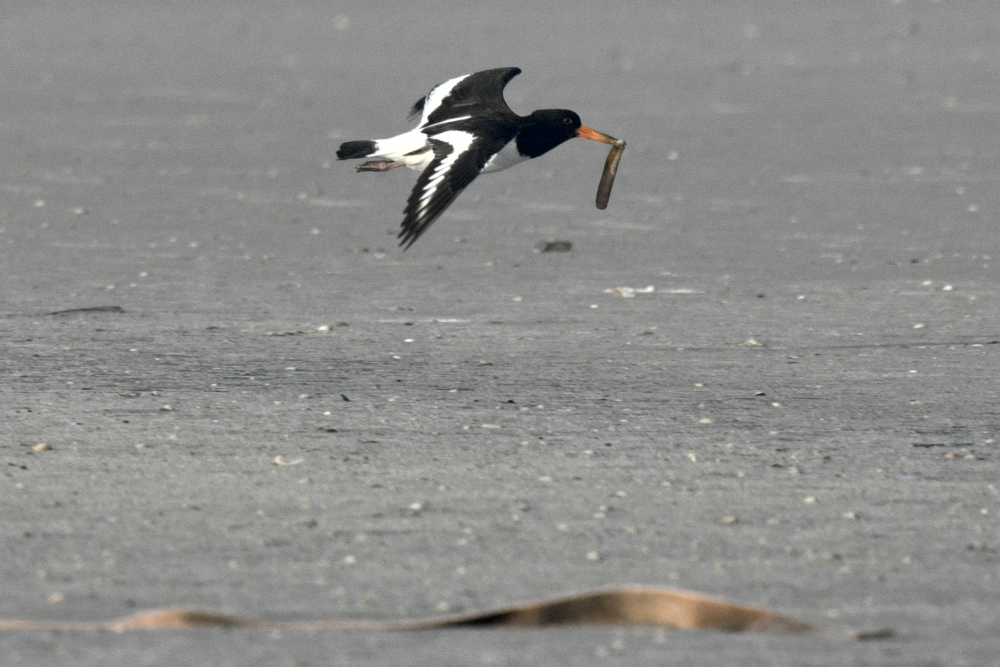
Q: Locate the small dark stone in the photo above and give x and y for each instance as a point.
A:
(554, 246)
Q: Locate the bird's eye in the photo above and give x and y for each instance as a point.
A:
(567, 121)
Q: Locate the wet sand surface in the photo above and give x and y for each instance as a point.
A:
(285, 416)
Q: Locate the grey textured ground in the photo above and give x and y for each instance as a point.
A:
(490, 424)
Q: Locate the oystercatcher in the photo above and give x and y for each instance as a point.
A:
(465, 129)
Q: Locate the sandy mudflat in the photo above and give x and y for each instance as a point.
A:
(801, 415)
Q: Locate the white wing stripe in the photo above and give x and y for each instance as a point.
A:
(437, 95)
(424, 128)
(460, 142)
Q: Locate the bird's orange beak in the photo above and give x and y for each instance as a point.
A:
(591, 133)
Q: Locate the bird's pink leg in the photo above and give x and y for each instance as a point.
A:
(379, 165)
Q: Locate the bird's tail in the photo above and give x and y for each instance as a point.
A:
(352, 150)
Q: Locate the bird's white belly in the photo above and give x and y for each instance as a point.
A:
(507, 157)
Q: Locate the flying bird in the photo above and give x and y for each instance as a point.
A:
(465, 129)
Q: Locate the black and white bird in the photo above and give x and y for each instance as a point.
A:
(465, 129)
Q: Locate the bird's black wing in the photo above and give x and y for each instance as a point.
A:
(417, 109)
(469, 95)
(459, 156)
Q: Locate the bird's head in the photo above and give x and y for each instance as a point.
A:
(547, 128)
